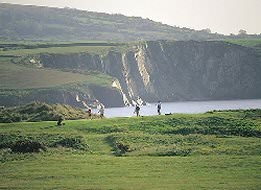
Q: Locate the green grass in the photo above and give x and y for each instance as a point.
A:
(22, 48)
(13, 76)
(32, 48)
(250, 43)
(37, 111)
(247, 42)
(29, 42)
(117, 173)
(221, 150)
(29, 83)
(58, 50)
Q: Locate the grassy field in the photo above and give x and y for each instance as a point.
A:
(216, 150)
(58, 50)
(247, 42)
(13, 76)
(254, 44)
(99, 48)
(32, 48)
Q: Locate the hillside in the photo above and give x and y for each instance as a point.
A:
(215, 150)
(43, 23)
(14, 76)
(22, 84)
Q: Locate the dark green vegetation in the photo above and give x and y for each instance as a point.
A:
(216, 150)
(37, 111)
(31, 22)
(35, 143)
(51, 24)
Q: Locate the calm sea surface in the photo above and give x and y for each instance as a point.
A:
(184, 107)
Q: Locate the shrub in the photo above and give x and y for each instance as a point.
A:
(123, 148)
(27, 146)
(104, 129)
(49, 140)
(70, 142)
(174, 152)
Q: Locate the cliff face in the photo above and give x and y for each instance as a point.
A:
(172, 71)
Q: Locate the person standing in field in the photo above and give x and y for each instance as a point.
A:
(89, 111)
(137, 110)
(60, 120)
(101, 111)
(159, 107)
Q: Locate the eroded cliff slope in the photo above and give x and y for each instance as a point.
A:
(172, 71)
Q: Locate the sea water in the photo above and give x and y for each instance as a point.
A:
(184, 107)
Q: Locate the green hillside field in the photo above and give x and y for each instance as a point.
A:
(13, 76)
(247, 42)
(57, 50)
(22, 84)
(30, 48)
(18, 76)
(215, 150)
(21, 76)
(250, 43)
(49, 24)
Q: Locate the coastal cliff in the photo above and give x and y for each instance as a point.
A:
(172, 70)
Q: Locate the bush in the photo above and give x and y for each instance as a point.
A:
(71, 142)
(49, 140)
(27, 146)
(174, 152)
(123, 148)
(104, 129)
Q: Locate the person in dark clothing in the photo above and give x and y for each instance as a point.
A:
(137, 110)
(159, 107)
(89, 111)
(60, 120)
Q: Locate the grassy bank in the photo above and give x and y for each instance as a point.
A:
(14, 76)
(216, 150)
